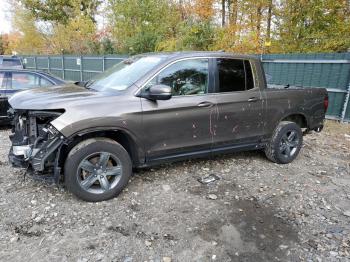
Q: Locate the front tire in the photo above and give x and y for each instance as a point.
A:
(97, 169)
(285, 143)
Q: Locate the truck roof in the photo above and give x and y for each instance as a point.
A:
(184, 54)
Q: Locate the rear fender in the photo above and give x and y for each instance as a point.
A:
(291, 115)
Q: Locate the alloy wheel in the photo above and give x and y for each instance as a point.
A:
(99, 172)
(289, 144)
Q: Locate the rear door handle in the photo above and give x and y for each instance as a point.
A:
(253, 99)
(205, 104)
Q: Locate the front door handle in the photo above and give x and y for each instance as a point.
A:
(253, 99)
(205, 104)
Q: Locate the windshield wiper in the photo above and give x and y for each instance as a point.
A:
(89, 83)
(86, 84)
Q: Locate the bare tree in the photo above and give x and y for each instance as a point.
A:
(269, 16)
(259, 11)
(223, 12)
(233, 11)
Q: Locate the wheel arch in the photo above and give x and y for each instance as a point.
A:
(123, 137)
(298, 118)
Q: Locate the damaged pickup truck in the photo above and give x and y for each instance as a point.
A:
(156, 108)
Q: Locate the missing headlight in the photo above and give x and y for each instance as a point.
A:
(33, 133)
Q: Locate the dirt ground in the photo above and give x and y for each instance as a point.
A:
(256, 211)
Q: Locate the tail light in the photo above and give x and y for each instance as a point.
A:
(325, 103)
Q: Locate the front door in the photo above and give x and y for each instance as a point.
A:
(181, 125)
(240, 104)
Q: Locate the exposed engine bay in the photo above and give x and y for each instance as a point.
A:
(35, 142)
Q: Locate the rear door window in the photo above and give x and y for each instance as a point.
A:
(234, 75)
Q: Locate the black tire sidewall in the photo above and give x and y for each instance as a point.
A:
(80, 152)
(287, 128)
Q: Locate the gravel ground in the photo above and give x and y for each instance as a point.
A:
(255, 211)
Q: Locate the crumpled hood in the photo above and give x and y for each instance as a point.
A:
(57, 97)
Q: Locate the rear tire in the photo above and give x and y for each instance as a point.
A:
(97, 169)
(285, 143)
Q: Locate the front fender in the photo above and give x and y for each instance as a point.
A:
(114, 132)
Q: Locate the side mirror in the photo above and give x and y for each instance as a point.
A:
(158, 92)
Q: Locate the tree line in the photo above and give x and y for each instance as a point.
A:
(137, 26)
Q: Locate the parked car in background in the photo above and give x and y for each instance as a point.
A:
(14, 80)
(13, 62)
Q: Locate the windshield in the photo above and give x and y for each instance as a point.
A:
(125, 73)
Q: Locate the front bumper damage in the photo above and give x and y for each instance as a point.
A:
(36, 144)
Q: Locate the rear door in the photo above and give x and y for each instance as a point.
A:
(180, 125)
(240, 104)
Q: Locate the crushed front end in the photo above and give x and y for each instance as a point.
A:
(36, 143)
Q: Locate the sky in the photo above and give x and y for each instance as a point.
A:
(5, 21)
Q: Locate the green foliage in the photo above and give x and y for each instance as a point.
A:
(138, 26)
(198, 36)
(2, 45)
(30, 41)
(107, 46)
(322, 25)
(190, 36)
(103, 47)
(144, 41)
(68, 26)
(61, 10)
(76, 36)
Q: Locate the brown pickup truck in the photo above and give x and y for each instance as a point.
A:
(156, 108)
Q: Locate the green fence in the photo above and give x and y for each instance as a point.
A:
(331, 71)
(70, 67)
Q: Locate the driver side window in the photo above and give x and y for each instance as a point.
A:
(186, 77)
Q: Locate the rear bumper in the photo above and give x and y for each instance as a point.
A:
(318, 129)
(316, 123)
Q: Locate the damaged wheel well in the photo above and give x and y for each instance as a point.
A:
(299, 119)
(119, 136)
